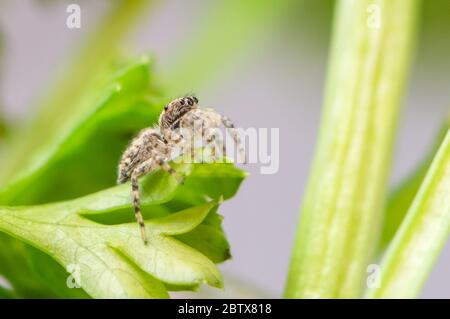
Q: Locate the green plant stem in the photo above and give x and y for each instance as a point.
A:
(422, 235)
(401, 197)
(343, 204)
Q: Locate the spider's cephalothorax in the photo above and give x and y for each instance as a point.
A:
(155, 147)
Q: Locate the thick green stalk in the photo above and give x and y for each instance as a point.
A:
(343, 204)
(401, 197)
(422, 235)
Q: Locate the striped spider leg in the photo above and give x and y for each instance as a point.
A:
(146, 152)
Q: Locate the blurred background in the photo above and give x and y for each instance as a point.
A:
(270, 77)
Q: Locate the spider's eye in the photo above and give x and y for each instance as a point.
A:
(195, 99)
(166, 108)
(190, 102)
(182, 102)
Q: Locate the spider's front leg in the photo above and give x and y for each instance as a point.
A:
(142, 169)
(139, 171)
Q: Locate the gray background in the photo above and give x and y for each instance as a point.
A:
(278, 84)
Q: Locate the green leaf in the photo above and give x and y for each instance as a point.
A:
(6, 293)
(71, 149)
(421, 236)
(342, 206)
(208, 240)
(50, 275)
(113, 260)
(175, 257)
(80, 157)
(223, 183)
(66, 98)
(15, 264)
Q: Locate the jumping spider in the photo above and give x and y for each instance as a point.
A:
(155, 146)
